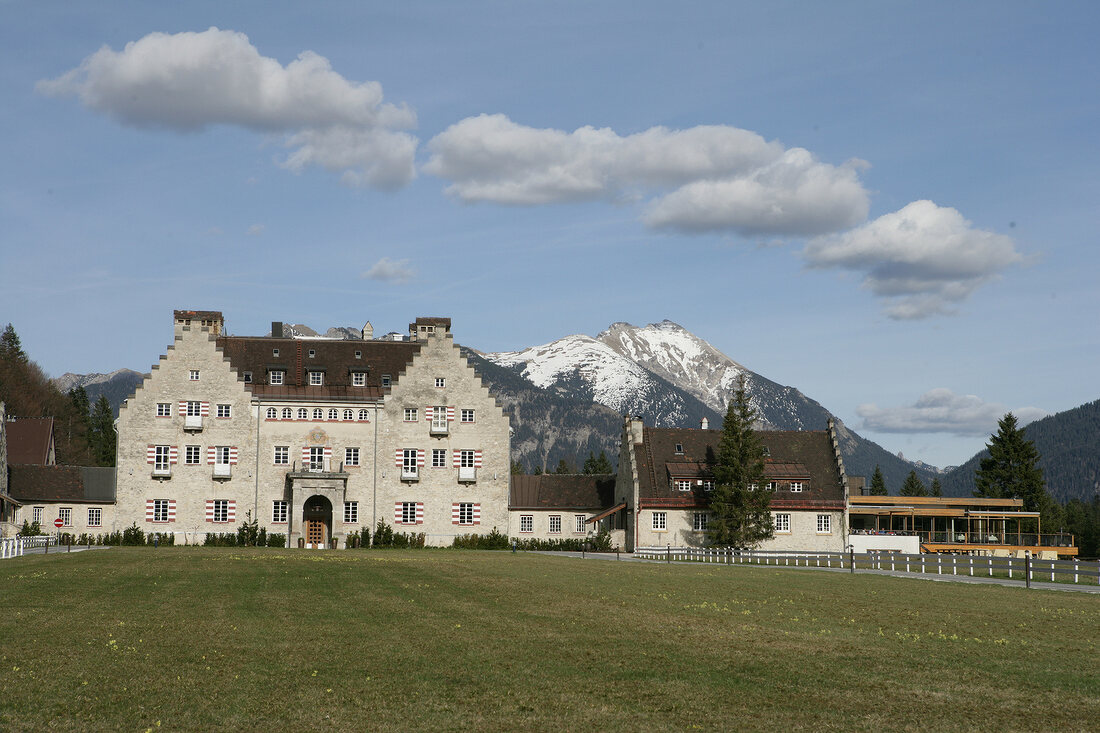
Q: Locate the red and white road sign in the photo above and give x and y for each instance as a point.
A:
(58, 523)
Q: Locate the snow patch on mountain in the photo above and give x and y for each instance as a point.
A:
(68, 380)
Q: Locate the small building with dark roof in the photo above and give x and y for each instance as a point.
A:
(553, 506)
(665, 478)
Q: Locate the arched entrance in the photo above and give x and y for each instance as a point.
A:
(317, 521)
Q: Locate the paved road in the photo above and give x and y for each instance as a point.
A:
(624, 557)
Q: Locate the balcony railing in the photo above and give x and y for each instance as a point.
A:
(1010, 539)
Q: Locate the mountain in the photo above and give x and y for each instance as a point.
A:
(116, 386)
(1069, 449)
(672, 378)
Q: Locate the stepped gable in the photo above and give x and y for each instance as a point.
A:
(562, 491)
(336, 358)
(30, 440)
(793, 455)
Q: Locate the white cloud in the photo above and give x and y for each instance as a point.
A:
(923, 259)
(186, 82)
(706, 178)
(387, 270)
(942, 411)
(255, 230)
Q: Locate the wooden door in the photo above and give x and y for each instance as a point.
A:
(315, 532)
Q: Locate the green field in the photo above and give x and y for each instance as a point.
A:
(199, 639)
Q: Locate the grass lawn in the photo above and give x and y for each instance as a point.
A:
(205, 638)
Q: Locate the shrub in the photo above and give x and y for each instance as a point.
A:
(275, 539)
(133, 535)
(495, 540)
(248, 534)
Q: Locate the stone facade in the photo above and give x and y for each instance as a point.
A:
(313, 438)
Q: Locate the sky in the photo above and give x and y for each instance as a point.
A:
(890, 206)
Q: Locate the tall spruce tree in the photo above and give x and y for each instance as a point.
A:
(739, 504)
(913, 486)
(1012, 469)
(102, 435)
(937, 487)
(878, 483)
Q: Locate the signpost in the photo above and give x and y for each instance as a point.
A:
(58, 523)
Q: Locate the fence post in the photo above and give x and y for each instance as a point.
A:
(852, 558)
(991, 566)
(1027, 569)
(668, 554)
(1075, 571)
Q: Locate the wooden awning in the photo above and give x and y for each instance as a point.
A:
(607, 513)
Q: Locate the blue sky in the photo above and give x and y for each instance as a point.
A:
(891, 206)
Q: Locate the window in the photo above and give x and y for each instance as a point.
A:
(161, 459)
(221, 455)
(303, 413)
(439, 419)
(278, 512)
(36, 515)
(465, 513)
(282, 455)
(796, 486)
(439, 457)
(160, 510)
(65, 514)
(708, 484)
(659, 521)
(824, 524)
(364, 415)
(224, 410)
(272, 413)
(351, 512)
(410, 414)
(440, 381)
(287, 413)
(248, 377)
(408, 462)
(220, 510)
(95, 517)
(333, 413)
(753, 487)
(467, 416)
(192, 455)
(194, 375)
(316, 379)
(276, 377)
(194, 408)
(164, 409)
(683, 484)
(772, 485)
(358, 379)
(783, 523)
(312, 353)
(316, 458)
(386, 381)
(679, 449)
(467, 459)
(699, 522)
(358, 354)
(408, 512)
(318, 413)
(555, 524)
(274, 352)
(526, 523)
(351, 456)
(579, 527)
(349, 415)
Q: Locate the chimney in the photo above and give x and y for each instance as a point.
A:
(368, 331)
(704, 424)
(276, 329)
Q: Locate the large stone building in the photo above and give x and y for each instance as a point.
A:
(312, 438)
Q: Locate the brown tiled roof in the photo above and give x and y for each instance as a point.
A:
(805, 456)
(336, 358)
(62, 483)
(200, 315)
(562, 491)
(431, 321)
(29, 440)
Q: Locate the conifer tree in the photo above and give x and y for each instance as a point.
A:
(937, 487)
(10, 346)
(878, 483)
(1012, 469)
(913, 486)
(739, 504)
(517, 468)
(594, 465)
(102, 436)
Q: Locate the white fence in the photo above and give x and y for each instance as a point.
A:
(18, 545)
(1027, 569)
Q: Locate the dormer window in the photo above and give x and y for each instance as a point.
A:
(358, 354)
(276, 377)
(440, 381)
(386, 380)
(764, 450)
(796, 486)
(312, 353)
(358, 379)
(248, 377)
(316, 379)
(194, 375)
(679, 449)
(274, 352)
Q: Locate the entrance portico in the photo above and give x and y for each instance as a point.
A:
(313, 497)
